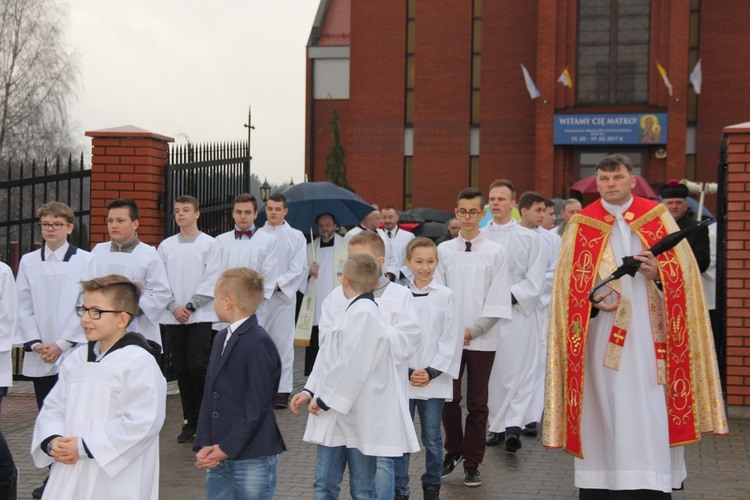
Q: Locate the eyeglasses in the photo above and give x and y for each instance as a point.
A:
(54, 225)
(95, 312)
(471, 213)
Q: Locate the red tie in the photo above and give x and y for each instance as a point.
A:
(238, 233)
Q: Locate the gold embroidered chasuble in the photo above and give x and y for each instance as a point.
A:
(683, 342)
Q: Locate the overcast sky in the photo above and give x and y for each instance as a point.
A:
(193, 67)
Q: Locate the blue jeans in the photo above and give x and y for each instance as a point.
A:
(430, 418)
(385, 480)
(249, 479)
(329, 472)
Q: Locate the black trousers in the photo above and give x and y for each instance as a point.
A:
(190, 349)
(311, 351)
(42, 386)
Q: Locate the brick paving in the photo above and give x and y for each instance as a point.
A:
(717, 468)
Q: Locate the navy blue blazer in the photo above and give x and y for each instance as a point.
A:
(240, 393)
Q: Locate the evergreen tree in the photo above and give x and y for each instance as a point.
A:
(335, 164)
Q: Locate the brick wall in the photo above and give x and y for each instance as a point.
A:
(738, 265)
(128, 162)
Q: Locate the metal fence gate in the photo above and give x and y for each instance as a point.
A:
(214, 174)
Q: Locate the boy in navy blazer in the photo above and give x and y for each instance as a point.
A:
(237, 440)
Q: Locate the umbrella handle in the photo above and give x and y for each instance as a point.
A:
(596, 289)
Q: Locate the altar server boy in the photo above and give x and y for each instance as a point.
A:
(434, 366)
(352, 390)
(100, 424)
(245, 246)
(126, 255)
(291, 276)
(49, 289)
(191, 259)
(396, 307)
(238, 441)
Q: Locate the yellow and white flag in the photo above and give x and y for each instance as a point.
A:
(696, 77)
(533, 91)
(663, 73)
(565, 78)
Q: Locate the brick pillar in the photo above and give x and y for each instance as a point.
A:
(128, 162)
(738, 265)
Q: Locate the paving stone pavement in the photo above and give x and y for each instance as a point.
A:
(718, 467)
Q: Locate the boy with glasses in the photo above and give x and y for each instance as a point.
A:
(49, 288)
(99, 427)
(475, 269)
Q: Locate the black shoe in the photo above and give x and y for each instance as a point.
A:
(495, 438)
(38, 492)
(399, 496)
(187, 435)
(431, 491)
(282, 400)
(471, 477)
(512, 443)
(450, 462)
(530, 430)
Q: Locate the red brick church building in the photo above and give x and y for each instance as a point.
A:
(432, 98)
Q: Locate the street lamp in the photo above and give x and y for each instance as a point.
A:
(265, 191)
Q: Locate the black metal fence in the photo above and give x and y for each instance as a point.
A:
(720, 319)
(214, 173)
(27, 186)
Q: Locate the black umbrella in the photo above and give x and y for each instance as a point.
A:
(630, 265)
(431, 215)
(408, 217)
(307, 200)
(432, 230)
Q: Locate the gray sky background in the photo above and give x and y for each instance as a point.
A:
(193, 67)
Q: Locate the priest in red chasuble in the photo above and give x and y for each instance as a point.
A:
(633, 379)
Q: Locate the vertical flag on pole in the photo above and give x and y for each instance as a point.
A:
(696, 77)
(664, 77)
(565, 78)
(533, 91)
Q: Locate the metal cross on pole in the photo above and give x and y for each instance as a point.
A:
(250, 127)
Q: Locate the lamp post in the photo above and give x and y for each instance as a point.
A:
(265, 191)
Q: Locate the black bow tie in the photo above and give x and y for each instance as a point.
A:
(468, 246)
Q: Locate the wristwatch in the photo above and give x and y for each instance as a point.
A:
(190, 307)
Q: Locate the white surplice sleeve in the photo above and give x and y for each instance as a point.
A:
(450, 344)
(8, 308)
(295, 276)
(28, 329)
(211, 271)
(156, 292)
(528, 291)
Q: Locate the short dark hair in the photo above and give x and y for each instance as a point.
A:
(188, 200)
(329, 214)
(548, 203)
(128, 203)
(278, 198)
(529, 198)
(123, 293)
(611, 162)
(470, 193)
(503, 183)
(245, 198)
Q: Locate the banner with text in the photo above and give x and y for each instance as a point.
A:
(605, 129)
